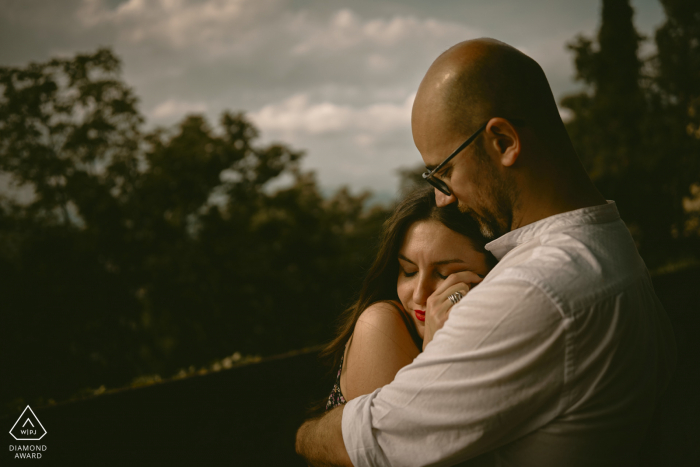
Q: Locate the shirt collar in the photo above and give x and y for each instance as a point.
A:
(592, 215)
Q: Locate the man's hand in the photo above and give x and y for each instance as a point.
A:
(320, 440)
(439, 304)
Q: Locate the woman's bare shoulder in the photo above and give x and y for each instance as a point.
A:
(381, 312)
(379, 347)
(382, 320)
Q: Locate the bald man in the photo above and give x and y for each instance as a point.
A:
(559, 356)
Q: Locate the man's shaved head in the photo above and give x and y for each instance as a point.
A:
(522, 166)
(483, 78)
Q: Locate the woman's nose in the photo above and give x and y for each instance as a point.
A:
(423, 290)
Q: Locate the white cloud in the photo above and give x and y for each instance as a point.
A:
(176, 23)
(297, 115)
(173, 108)
(345, 30)
(218, 28)
(335, 82)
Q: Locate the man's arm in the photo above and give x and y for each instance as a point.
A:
(320, 440)
(495, 372)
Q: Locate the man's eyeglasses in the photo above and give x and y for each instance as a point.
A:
(429, 176)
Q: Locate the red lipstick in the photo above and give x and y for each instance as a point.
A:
(420, 315)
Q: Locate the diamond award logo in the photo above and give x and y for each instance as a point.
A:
(28, 427)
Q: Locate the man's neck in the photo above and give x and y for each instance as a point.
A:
(547, 198)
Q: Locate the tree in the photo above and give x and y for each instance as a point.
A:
(69, 130)
(676, 99)
(144, 252)
(622, 127)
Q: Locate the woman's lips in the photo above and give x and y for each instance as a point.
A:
(420, 315)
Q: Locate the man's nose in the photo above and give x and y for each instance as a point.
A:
(441, 199)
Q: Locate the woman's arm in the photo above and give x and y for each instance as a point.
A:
(380, 346)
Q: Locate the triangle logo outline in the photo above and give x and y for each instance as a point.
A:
(35, 418)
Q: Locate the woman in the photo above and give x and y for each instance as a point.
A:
(383, 330)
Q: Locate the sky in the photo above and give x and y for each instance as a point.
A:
(335, 79)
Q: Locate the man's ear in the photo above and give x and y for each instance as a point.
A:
(504, 139)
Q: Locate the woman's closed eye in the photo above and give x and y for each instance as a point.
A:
(413, 273)
(448, 271)
(408, 274)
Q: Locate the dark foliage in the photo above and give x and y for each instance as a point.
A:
(636, 125)
(146, 252)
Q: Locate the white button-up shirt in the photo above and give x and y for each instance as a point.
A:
(556, 359)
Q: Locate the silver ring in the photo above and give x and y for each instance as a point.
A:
(455, 297)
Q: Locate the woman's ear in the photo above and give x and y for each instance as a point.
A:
(505, 140)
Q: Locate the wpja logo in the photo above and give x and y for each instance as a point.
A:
(28, 428)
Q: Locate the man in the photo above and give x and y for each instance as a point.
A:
(559, 356)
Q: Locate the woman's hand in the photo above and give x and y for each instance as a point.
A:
(439, 304)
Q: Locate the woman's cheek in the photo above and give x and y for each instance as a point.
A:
(404, 289)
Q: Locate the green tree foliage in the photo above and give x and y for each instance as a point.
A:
(677, 103)
(143, 252)
(632, 124)
(68, 130)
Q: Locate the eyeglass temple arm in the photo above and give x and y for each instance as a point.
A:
(456, 151)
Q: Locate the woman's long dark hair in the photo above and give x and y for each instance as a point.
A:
(380, 282)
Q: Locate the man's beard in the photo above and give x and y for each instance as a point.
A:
(489, 228)
(497, 198)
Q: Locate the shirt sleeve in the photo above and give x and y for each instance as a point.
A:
(495, 372)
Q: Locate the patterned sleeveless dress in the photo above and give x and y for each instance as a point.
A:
(336, 398)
